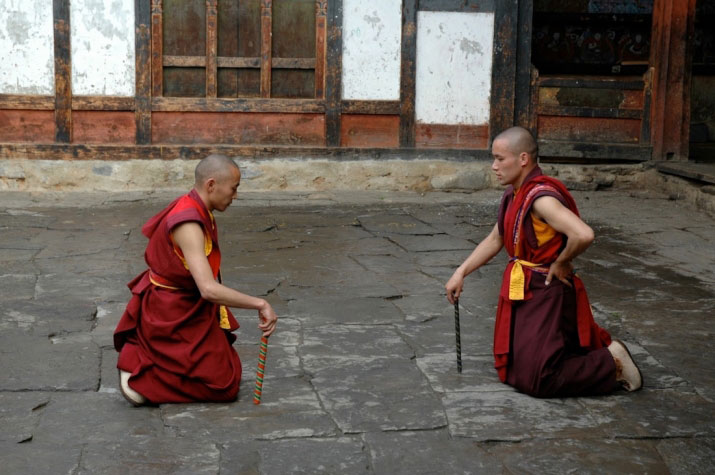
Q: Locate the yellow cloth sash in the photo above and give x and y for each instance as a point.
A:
(517, 279)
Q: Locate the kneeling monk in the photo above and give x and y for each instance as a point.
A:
(174, 339)
(546, 342)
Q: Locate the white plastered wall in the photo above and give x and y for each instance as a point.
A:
(26, 47)
(371, 49)
(454, 67)
(103, 56)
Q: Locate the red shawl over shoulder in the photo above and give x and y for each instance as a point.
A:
(170, 338)
(517, 232)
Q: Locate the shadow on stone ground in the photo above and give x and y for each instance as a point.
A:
(361, 375)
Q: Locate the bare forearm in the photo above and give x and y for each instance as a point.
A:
(575, 245)
(483, 253)
(222, 295)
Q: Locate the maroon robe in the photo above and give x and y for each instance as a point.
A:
(169, 337)
(546, 343)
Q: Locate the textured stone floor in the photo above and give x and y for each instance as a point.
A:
(361, 374)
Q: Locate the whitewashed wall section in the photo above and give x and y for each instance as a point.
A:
(26, 47)
(102, 47)
(454, 67)
(371, 49)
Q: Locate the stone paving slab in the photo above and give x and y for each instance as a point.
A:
(361, 374)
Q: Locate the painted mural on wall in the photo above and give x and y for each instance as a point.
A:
(594, 37)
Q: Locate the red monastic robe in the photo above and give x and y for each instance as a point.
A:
(177, 345)
(546, 342)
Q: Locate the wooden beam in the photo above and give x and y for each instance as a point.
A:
(200, 104)
(457, 5)
(596, 82)
(575, 111)
(293, 63)
(408, 72)
(157, 49)
(229, 62)
(333, 74)
(503, 66)
(27, 102)
(370, 107)
(266, 46)
(34, 151)
(184, 61)
(321, 13)
(211, 47)
(63, 71)
(245, 63)
(142, 104)
(594, 150)
(103, 103)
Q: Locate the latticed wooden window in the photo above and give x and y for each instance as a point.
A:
(238, 48)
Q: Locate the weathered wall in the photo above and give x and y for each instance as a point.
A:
(371, 49)
(102, 47)
(299, 174)
(454, 67)
(26, 47)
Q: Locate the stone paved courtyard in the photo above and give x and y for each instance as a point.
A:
(361, 374)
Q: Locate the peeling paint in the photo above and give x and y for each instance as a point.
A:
(454, 67)
(26, 47)
(371, 49)
(103, 56)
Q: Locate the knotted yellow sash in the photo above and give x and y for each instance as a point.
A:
(517, 279)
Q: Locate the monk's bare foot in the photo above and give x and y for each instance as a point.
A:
(129, 394)
(627, 373)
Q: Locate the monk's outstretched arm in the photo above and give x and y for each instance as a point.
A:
(579, 234)
(483, 253)
(190, 239)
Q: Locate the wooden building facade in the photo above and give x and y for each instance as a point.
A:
(594, 79)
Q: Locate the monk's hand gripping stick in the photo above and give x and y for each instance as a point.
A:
(457, 335)
(262, 351)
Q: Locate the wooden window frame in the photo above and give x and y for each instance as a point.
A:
(212, 62)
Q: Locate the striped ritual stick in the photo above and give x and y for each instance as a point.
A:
(262, 351)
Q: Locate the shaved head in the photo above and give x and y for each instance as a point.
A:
(216, 166)
(519, 140)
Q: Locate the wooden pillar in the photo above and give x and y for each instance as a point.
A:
(504, 68)
(142, 99)
(523, 106)
(671, 59)
(266, 46)
(63, 71)
(211, 47)
(334, 73)
(408, 73)
(157, 49)
(321, 13)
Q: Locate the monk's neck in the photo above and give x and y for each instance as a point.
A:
(523, 177)
(204, 199)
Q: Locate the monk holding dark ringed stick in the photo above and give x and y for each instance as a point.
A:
(174, 339)
(546, 342)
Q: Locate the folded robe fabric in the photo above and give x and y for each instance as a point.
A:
(169, 338)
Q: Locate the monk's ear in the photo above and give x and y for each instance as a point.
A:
(210, 184)
(524, 159)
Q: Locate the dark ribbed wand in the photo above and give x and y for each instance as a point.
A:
(458, 337)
